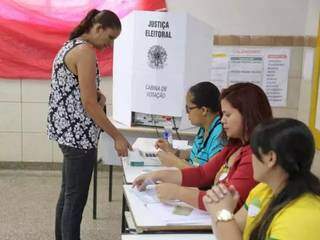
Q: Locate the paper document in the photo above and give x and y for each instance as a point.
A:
(174, 211)
(147, 210)
(148, 196)
(168, 214)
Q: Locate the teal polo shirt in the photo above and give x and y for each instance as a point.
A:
(204, 149)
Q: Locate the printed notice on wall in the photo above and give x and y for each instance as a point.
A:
(266, 67)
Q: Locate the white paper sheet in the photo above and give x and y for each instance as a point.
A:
(165, 212)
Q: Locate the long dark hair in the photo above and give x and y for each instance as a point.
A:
(252, 103)
(206, 94)
(294, 146)
(106, 18)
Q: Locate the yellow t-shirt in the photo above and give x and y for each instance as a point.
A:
(299, 220)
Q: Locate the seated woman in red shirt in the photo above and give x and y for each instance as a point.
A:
(243, 105)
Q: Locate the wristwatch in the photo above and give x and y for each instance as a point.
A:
(224, 216)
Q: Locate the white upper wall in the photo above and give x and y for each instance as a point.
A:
(312, 17)
(250, 17)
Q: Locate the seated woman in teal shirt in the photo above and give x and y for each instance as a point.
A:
(202, 107)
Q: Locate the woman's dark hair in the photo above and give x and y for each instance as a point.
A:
(206, 94)
(252, 103)
(106, 18)
(294, 146)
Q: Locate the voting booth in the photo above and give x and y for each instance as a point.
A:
(157, 57)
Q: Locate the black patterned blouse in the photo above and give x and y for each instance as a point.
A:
(68, 122)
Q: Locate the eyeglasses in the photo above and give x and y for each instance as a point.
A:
(188, 109)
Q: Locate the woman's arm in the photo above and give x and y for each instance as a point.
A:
(203, 176)
(169, 159)
(183, 154)
(241, 218)
(165, 146)
(86, 69)
(226, 230)
(242, 178)
(168, 186)
(165, 176)
(224, 198)
(169, 191)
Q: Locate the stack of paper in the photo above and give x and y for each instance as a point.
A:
(147, 197)
(167, 212)
(173, 212)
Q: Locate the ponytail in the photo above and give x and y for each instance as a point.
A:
(105, 17)
(84, 25)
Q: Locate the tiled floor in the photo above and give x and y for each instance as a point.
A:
(27, 206)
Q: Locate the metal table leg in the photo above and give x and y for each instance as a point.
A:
(124, 225)
(110, 182)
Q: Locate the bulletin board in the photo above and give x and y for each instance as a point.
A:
(314, 121)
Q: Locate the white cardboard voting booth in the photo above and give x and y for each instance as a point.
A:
(157, 57)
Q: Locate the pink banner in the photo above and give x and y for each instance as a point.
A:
(32, 31)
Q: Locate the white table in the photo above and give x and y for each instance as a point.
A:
(108, 155)
(131, 172)
(191, 236)
(145, 221)
(106, 146)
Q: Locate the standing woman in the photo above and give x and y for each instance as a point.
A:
(76, 115)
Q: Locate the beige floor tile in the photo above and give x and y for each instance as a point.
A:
(28, 207)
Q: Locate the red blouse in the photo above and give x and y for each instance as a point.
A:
(240, 174)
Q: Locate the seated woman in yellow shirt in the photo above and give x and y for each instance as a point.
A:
(286, 204)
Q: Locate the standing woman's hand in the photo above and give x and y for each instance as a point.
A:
(122, 145)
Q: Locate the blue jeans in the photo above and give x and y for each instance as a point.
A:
(76, 176)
